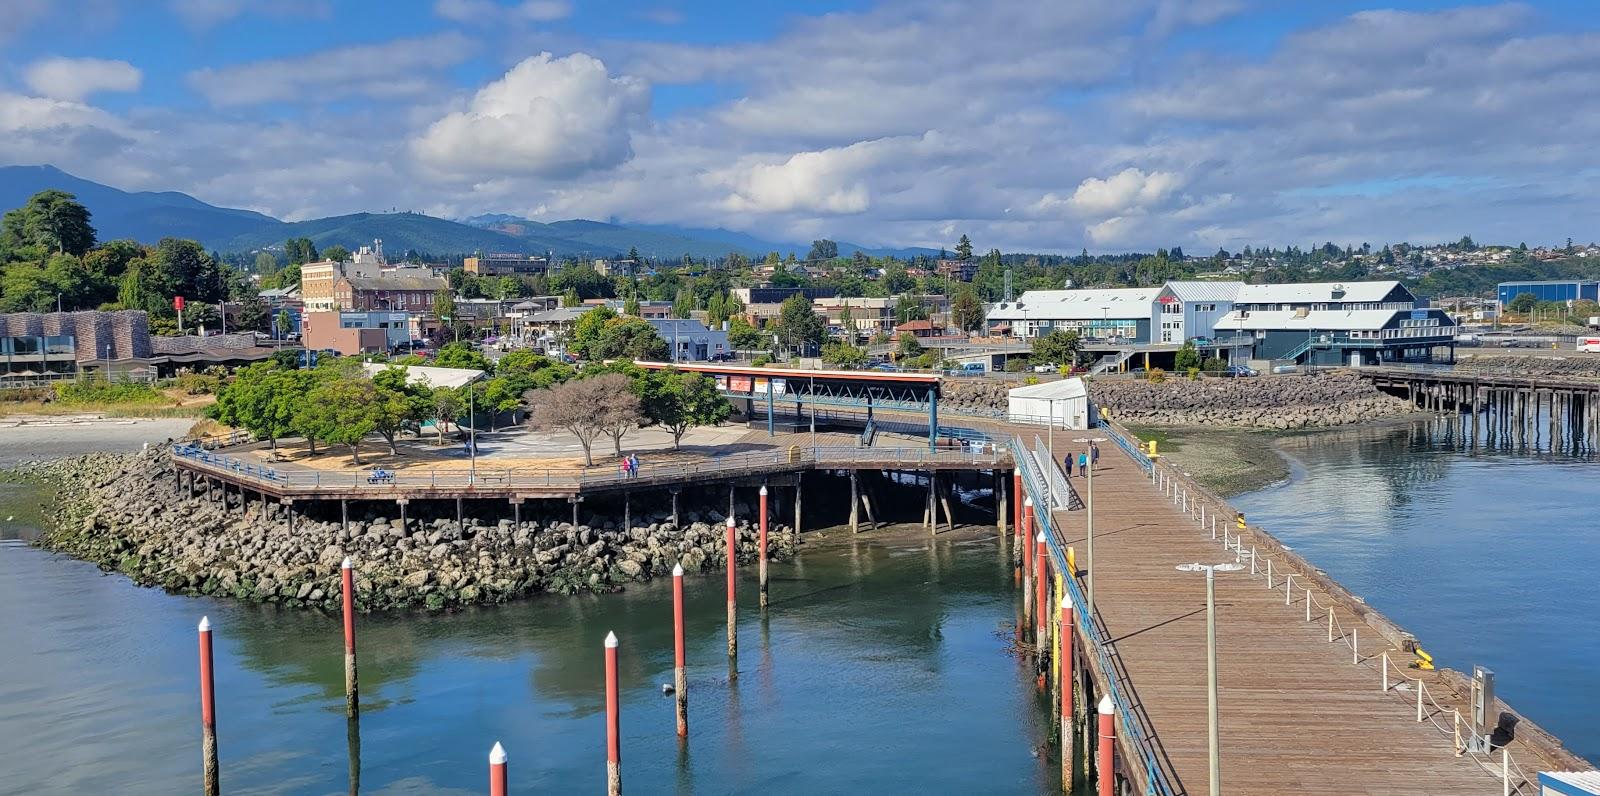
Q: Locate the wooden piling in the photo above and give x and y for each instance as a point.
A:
(733, 606)
(347, 591)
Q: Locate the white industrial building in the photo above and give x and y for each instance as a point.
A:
(1063, 403)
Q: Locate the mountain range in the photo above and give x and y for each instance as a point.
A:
(148, 216)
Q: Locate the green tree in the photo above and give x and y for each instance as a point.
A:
(252, 314)
(262, 399)
(461, 355)
(631, 305)
(571, 298)
(679, 401)
(444, 306)
(398, 405)
(629, 338)
(1187, 357)
(445, 405)
(300, 251)
(683, 305)
(964, 248)
(909, 346)
(909, 308)
(336, 253)
(341, 410)
(585, 281)
(844, 355)
(265, 263)
(1523, 303)
(798, 324)
(823, 249)
(966, 310)
(586, 331)
(180, 267)
(744, 337)
(53, 221)
(847, 324)
(1060, 346)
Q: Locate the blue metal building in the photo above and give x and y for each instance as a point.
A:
(1562, 290)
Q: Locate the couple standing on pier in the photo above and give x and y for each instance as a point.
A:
(1088, 459)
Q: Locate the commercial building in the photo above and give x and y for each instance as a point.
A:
(1328, 323)
(1563, 291)
(1190, 310)
(505, 265)
(409, 293)
(39, 343)
(869, 317)
(396, 328)
(691, 340)
(1115, 315)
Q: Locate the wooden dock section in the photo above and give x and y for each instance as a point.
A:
(1299, 714)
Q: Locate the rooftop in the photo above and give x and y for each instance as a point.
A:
(431, 376)
(1078, 304)
(1306, 292)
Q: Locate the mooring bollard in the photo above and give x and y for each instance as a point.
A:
(208, 712)
(1105, 767)
(733, 606)
(347, 590)
(680, 679)
(613, 721)
(763, 542)
(498, 781)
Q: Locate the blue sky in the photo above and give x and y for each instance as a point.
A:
(1108, 125)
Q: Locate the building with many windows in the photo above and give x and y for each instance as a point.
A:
(1563, 291)
(505, 265)
(1328, 323)
(1118, 315)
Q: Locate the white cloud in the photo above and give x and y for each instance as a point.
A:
(394, 69)
(547, 117)
(77, 78)
(206, 14)
(489, 12)
(1130, 189)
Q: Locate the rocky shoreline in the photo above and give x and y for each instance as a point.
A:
(122, 512)
(1317, 400)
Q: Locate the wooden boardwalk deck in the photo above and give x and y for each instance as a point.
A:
(1297, 716)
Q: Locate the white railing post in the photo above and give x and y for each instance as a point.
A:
(1269, 573)
(1505, 771)
(1308, 605)
(1355, 647)
(1458, 732)
(1252, 559)
(1288, 588)
(1420, 688)
(1213, 526)
(1330, 625)
(1385, 669)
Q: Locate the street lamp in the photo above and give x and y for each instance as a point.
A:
(1212, 725)
(1089, 524)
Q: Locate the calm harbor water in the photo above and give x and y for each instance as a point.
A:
(1490, 558)
(884, 667)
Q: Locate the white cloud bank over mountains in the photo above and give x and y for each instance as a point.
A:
(1109, 124)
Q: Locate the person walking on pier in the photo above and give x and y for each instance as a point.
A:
(1083, 464)
(1068, 461)
(1094, 454)
(624, 466)
(633, 464)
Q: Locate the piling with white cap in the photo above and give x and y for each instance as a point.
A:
(733, 606)
(1105, 767)
(763, 547)
(680, 679)
(613, 721)
(208, 712)
(347, 590)
(498, 780)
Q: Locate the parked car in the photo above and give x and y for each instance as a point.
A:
(1048, 367)
(886, 367)
(967, 369)
(1237, 371)
(1285, 369)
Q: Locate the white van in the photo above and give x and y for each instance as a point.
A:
(1589, 344)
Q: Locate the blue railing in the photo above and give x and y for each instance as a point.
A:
(192, 451)
(1128, 446)
(1156, 780)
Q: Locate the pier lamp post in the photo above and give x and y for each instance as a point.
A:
(1088, 501)
(1212, 725)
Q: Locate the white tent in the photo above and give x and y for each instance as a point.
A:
(1066, 401)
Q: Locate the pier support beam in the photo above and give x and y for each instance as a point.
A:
(855, 504)
(402, 503)
(797, 479)
(516, 512)
(675, 522)
(344, 516)
(458, 513)
(575, 500)
(1000, 508)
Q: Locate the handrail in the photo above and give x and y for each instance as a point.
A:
(1293, 574)
(1156, 779)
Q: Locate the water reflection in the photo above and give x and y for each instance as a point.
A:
(1486, 555)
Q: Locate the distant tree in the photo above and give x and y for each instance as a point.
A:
(909, 308)
(461, 355)
(631, 305)
(823, 249)
(53, 221)
(265, 263)
(844, 355)
(571, 298)
(623, 409)
(964, 248)
(586, 331)
(847, 323)
(896, 280)
(397, 405)
(909, 346)
(683, 305)
(585, 281)
(340, 411)
(445, 406)
(966, 310)
(1523, 303)
(262, 399)
(1060, 346)
(629, 338)
(179, 267)
(300, 251)
(444, 306)
(679, 401)
(633, 254)
(1214, 365)
(336, 253)
(799, 324)
(744, 337)
(252, 314)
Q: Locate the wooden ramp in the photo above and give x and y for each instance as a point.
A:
(1297, 715)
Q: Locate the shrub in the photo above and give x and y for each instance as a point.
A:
(761, 360)
(77, 393)
(1214, 365)
(1031, 380)
(198, 383)
(1016, 365)
(1156, 375)
(1194, 374)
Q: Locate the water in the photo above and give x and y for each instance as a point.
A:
(884, 667)
(1490, 558)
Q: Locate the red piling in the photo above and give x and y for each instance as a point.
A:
(1016, 523)
(1041, 604)
(1105, 768)
(497, 771)
(613, 721)
(208, 712)
(763, 548)
(733, 626)
(1027, 561)
(348, 589)
(680, 679)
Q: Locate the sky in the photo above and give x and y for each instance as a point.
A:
(1111, 125)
